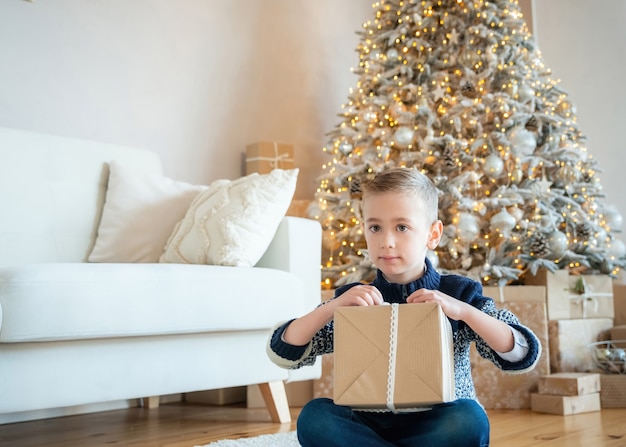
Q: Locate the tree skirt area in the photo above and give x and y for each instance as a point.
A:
(276, 440)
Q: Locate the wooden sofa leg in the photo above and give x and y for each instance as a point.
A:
(150, 402)
(275, 399)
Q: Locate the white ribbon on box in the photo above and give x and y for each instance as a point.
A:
(393, 348)
(586, 297)
(275, 161)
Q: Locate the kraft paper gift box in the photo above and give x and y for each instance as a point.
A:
(619, 303)
(564, 405)
(613, 390)
(575, 296)
(497, 389)
(569, 384)
(516, 293)
(570, 340)
(393, 357)
(263, 157)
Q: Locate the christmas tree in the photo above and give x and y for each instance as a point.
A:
(458, 90)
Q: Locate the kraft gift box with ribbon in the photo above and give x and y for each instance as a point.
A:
(396, 358)
(575, 296)
(263, 157)
(497, 389)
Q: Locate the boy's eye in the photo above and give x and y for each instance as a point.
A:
(374, 228)
(403, 228)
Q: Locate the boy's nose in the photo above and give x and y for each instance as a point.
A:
(388, 241)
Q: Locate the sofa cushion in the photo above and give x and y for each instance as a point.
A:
(140, 211)
(45, 302)
(233, 221)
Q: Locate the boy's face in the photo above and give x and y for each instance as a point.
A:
(398, 235)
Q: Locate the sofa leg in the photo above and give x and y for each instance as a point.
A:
(150, 402)
(275, 399)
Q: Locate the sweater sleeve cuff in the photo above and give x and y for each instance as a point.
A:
(282, 348)
(520, 348)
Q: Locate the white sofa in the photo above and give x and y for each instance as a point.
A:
(74, 333)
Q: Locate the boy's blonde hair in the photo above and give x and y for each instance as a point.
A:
(406, 181)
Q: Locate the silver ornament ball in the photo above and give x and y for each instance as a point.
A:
(403, 136)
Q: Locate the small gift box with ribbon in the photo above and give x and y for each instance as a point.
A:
(575, 296)
(393, 358)
(263, 157)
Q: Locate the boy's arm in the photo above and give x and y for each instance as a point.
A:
(303, 329)
(496, 333)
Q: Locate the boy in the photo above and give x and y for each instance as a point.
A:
(400, 224)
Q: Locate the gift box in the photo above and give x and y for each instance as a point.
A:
(549, 403)
(613, 390)
(508, 294)
(497, 389)
(575, 296)
(393, 357)
(263, 157)
(569, 384)
(570, 340)
(619, 303)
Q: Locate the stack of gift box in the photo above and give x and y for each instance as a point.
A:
(585, 314)
(567, 393)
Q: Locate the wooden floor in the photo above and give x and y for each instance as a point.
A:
(189, 425)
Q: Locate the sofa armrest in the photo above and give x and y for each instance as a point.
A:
(297, 248)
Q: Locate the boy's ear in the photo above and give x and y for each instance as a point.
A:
(436, 231)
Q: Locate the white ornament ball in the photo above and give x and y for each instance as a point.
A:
(613, 218)
(346, 148)
(503, 222)
(467, 227)
(557, 241)
(517, 213)
(616, 249)
(403, 136)
(392, 53)
(493, 166)
(525, 92)
(523, 142)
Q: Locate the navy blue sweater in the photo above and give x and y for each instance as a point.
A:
(462, 288)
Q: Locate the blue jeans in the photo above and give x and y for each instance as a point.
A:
(457, 424)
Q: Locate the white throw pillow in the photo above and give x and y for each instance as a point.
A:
(232, 222)
(140, 212)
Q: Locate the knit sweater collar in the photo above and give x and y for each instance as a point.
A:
(397, 293)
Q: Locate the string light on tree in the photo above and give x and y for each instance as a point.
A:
(458, 90)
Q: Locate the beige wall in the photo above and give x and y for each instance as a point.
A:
(194, 80)
(582, 43)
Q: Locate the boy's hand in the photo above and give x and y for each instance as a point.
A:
(363, 295)
(453, 308)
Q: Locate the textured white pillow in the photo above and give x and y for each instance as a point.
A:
(232, 222)
(140, 212)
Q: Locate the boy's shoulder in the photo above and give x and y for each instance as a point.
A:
(461, 287)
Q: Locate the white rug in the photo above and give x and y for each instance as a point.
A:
(278, 440)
